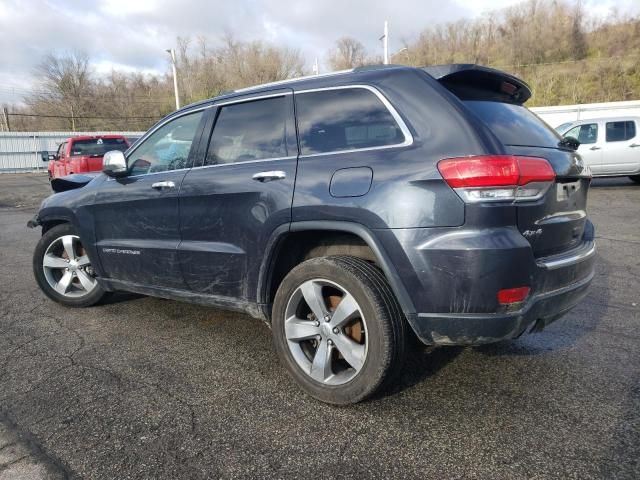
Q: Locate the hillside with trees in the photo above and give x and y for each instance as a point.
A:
(567, 56)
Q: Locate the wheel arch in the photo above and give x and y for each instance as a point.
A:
(48, 218)
(366, 246)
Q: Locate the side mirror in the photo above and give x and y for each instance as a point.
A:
(114, 164)
(571, 143)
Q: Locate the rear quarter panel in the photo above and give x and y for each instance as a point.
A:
(407, 190)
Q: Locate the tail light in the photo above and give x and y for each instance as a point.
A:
(497, 178)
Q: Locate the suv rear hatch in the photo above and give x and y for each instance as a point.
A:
(557, 221)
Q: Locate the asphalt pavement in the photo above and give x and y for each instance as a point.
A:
(150, 388)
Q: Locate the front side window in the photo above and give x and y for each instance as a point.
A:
(585, 134)
(167, 148)
(344, 119)
(621, 131)
(253, 130)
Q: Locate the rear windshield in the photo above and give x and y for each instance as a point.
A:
(98, 146)
(515, 124)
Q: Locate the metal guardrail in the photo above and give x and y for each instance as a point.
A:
(22, 151)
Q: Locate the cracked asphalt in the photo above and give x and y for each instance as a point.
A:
(149, 388)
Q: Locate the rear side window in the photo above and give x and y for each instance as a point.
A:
(343, 120)
(585, 134)
(620, 131)
(515, 124)
(254, 130)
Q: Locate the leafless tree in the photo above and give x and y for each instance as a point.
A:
(347, 53)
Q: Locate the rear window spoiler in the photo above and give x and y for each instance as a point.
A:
(474, 82)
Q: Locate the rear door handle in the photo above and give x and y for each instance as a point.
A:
(594, 148)
(163, 185)
(269, 176)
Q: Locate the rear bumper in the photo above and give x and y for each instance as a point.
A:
(453, 278)
(477, 329)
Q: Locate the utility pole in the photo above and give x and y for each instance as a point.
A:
(5, 114)
(385, 42)
(316, 70)
(172, 53)
(73, 120)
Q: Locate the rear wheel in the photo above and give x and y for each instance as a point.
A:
(63, 269)
(635, 178)
(338, 328)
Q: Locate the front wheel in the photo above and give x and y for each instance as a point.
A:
(338, 328)
(63, 269)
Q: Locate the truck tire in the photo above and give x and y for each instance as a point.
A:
(63, 269)
(338, 328)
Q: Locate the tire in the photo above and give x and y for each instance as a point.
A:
(635, 178)
(370, 360)
(74, 279)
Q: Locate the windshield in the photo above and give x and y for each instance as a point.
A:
(563, 128)
(97, 147)
(515, 124)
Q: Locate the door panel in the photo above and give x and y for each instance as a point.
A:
(232, 204)
(591, 138)
(622, 150)
(137, 219)
(227, 219)
(137, 227)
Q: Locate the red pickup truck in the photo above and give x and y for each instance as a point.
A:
(83, 154)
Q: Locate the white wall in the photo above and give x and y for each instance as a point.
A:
(21, 151)
(555, 116)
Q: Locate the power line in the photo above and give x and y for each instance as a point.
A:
(81, 117)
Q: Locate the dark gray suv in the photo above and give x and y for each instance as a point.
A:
(349, 211)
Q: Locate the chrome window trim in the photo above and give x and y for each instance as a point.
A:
(408, 137)
(260, 160)
(144, 137)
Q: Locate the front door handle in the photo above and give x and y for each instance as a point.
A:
(269, 176)
(634, 145)
(594, 148)
(163, 185)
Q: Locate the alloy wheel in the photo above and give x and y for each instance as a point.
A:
(67, 268)
(326, 332)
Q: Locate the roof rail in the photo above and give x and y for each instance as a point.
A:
(290, 80)
(367, 68)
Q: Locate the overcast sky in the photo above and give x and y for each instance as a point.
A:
(133, 34)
